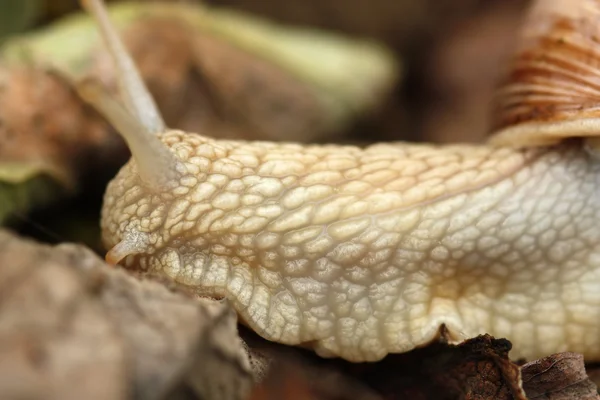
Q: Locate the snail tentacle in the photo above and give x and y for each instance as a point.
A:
(133, 90)
(158, 167)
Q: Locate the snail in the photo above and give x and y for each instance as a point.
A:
(361, 252)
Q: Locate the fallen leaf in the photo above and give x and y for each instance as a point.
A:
(213, 87)
(49, 140)
(558, 377)
(43, 121)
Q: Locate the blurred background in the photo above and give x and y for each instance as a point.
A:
(450, 55)
(453, 53)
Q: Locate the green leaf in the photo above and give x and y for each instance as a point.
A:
(24, 186)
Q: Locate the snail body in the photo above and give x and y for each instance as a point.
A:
(368, 252)
(361, 252)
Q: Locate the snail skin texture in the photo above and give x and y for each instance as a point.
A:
(361, 252)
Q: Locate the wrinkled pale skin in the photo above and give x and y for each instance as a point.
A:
(364, 252)
(361, 253)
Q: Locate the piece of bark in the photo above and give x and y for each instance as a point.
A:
(477, 369)
(71, 328)
(558, 377)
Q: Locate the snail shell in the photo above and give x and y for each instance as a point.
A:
(553, 88)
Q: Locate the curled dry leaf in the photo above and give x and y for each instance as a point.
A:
(558, 377)
(478, 368)
(71, 328)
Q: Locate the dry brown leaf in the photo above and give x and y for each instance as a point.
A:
(73, 328)
(43, 121)
(558, 377)
(482, 370)
(49, 139)
(204, 84)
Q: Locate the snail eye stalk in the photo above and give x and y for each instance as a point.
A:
(158, 167)
(136, 96)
